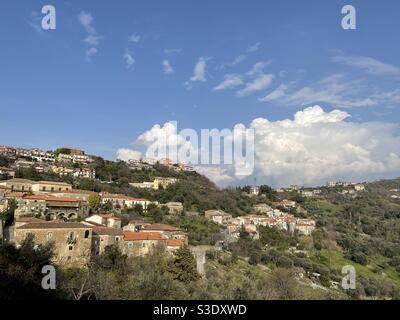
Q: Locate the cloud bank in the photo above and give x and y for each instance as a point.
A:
(314, 147)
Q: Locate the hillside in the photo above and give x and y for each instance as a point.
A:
(361, 229)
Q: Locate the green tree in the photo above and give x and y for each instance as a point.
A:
(111, 259)
(21, 271)
(94, 202)
(184, 266)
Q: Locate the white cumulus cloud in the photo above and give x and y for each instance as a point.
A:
(313, 147)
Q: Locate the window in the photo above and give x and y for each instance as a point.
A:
(116, 239)
(86, 234)
(71, 238)
(43, 188)
(52, 188)
(59, 189)
(70, 248)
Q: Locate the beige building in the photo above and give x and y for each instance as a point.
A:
(121, 200)
(72, 241)
(173, 207)
(50, 186)
(218, 216)
(19, 185)
(162, 182)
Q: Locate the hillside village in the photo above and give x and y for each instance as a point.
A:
(83, 204)
(54, 210)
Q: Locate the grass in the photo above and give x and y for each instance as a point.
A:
(336, 260)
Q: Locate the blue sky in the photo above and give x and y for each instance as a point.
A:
(53, 94)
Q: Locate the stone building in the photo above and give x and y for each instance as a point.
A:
(54, 207)
(142, 243)
(105, 236)
(165, 230)
(218, 216)
(19, 185)
(173, 207)
(72, 241)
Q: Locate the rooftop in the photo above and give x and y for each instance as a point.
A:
(51, 198)
(52, 182)
(107, 231)
(76, 191)
(174, 243)
(54, 225)
(137, 236)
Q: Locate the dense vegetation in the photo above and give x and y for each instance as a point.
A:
(360, 229)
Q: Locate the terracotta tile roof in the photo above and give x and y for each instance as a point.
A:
(76, 191)
(51, 198)
(107, 231)
(137, 236)
(54, 225)
(15, 194)
(174, 243)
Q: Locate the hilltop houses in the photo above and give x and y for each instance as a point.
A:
(218, 216)
(121, 201)
(163, 182)
(25, 185)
